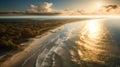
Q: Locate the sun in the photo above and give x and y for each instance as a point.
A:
(98, 5)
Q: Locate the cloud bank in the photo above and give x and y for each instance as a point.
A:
(109, 10)
(41, 8)
(46, 7)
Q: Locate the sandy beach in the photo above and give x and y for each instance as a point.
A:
(30, 48)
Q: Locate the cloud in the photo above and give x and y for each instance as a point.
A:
(104, 10)
(110, 7)
(69, 11)
(32, 9)
(45, 7)
(107, 10)
(41, 8)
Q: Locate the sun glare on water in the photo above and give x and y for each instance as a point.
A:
(93, 28)
(89, 38)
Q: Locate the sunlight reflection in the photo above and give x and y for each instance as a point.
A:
(89, 37)
(93, 28)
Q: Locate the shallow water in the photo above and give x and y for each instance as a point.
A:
(89, 43)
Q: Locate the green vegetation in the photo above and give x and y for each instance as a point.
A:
(12, 34)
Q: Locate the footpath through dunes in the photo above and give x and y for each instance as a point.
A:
(33, 28)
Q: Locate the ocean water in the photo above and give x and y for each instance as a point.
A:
(89, 43)
(86, 43)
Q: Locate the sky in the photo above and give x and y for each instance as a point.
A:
(21, 5)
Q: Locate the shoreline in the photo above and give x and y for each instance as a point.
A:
(30, 47)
